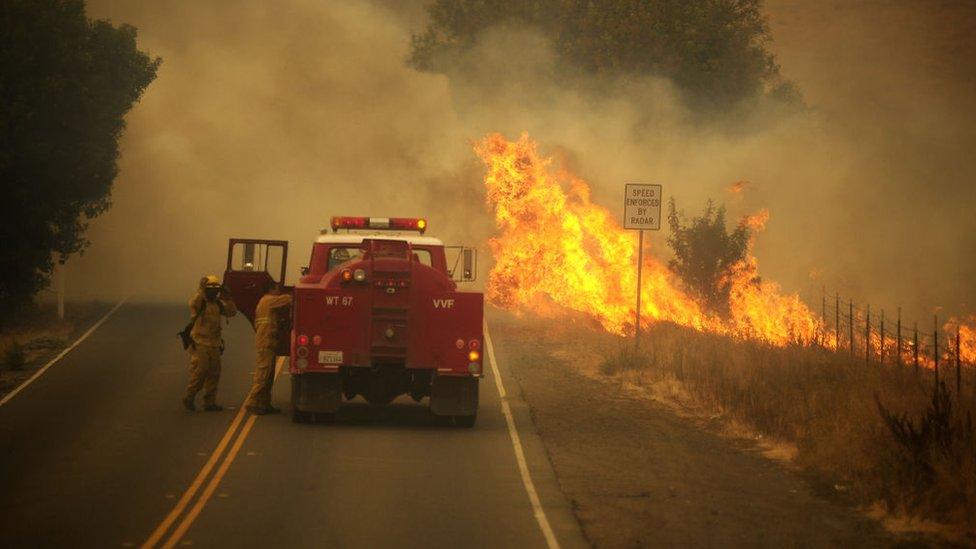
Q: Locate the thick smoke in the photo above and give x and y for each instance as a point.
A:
(267, 118)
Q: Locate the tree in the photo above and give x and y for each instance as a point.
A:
(704, 252)
(65, 84)
(715, 51)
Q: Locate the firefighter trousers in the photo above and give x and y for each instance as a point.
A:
(204, 372)
(260, 395)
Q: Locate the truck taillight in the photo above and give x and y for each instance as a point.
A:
(473, 356)
(474, 345)
(316, 340)
(302, 340)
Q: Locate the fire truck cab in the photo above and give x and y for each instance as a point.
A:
(377, 313)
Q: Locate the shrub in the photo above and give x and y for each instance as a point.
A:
(704, 251)
(14, 356)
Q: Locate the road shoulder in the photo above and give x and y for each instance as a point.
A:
(558, 509)
(636, 474)
(42, 336)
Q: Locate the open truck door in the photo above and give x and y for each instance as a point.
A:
(462, 263)
(253, 266)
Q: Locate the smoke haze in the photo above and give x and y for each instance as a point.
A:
(268, 118)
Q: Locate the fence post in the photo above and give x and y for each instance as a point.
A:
(837, 323)
(882, 349)
(823, 316)
(898, 351)
(958, 369)
(850, 324)
(867, 335)
(935, 349)
(915, 349)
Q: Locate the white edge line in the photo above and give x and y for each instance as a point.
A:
(61, 355)
(537, 510)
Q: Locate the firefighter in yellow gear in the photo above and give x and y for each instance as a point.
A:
(268, 315)
(210, 303)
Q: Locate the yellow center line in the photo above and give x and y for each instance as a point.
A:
(180, 506)
(197, 483)
(211, 487)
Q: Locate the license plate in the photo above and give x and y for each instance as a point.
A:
(330, 357)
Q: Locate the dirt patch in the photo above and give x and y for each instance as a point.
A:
(641, 470)
(39, 336)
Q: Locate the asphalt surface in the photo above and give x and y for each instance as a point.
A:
(98, 451)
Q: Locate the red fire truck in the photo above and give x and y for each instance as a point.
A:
(377, 313)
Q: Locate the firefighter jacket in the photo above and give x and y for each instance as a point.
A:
(266, 319)
(206, 328)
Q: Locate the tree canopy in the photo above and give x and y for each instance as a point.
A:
(65, 84)
(715, 51)
(704, 252)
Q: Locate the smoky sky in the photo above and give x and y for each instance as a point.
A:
(267, 118)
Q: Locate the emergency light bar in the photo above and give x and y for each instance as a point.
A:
(382, 223)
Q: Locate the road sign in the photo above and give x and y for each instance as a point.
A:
(642, 211)
(642, 206)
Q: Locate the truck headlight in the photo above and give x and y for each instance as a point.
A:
(359, 275)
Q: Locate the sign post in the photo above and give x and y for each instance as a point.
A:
(642, 211)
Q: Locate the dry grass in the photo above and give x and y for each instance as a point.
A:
(880, 433)
(12, 355)
(37, 334)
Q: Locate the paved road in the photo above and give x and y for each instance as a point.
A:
(98, 452)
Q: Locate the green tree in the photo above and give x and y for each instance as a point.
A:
(65, 84)
(715, 51)
(704, 251)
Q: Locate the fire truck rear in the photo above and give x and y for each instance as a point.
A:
(377, 314)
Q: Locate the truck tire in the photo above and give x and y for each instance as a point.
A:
(298, 416)
(324, 418)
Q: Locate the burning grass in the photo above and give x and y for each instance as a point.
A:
(558, 247)
(879, 433)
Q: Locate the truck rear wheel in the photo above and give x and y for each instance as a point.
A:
(454, 396)
(298, 416)
(324, 418)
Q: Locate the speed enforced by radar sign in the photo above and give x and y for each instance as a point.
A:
(642, 211)
(642, 206)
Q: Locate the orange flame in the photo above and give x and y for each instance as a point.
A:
(559, 250)
(738, 187)
(965, 328)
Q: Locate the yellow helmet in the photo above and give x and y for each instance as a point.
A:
(212, 281)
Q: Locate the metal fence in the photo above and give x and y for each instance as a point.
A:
(880, 340)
